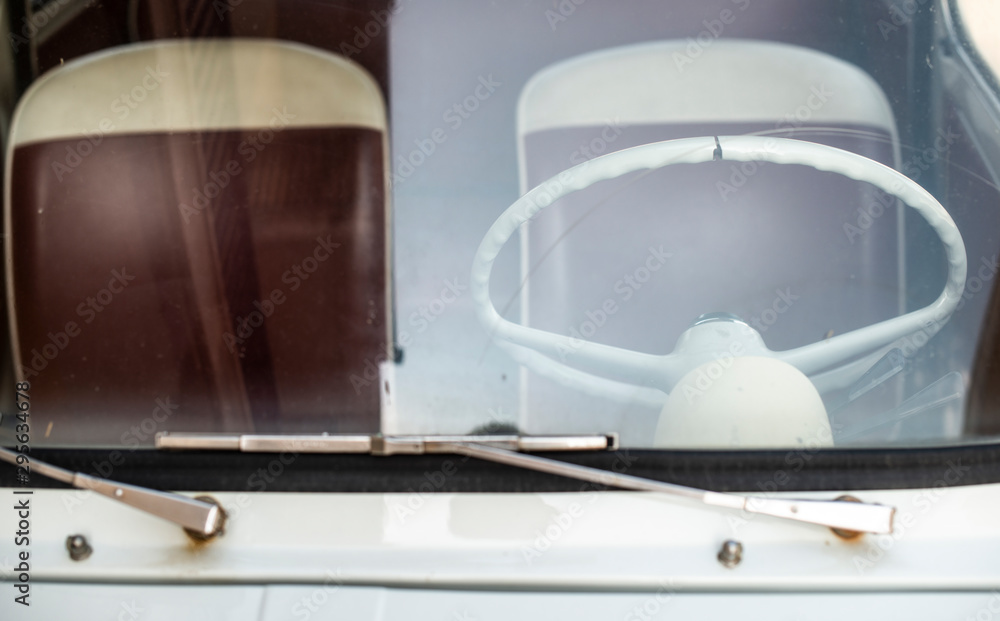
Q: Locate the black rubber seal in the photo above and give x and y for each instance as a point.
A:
(754, 471)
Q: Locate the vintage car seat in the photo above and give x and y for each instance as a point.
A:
(634, 261)
(198, 241)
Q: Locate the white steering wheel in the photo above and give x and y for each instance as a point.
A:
(830, 364)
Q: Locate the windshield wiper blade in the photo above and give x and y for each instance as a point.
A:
(375, 444)
(845, 517)
(199, 518)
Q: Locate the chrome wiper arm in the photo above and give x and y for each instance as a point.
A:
(202, 519)
(844, 517)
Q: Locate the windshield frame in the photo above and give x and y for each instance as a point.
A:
(977, 72)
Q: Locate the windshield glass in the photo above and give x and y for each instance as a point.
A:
(736, 224)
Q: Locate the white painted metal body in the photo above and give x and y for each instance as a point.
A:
(586, 555)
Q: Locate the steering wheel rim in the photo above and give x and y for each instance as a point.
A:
(663, 371)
